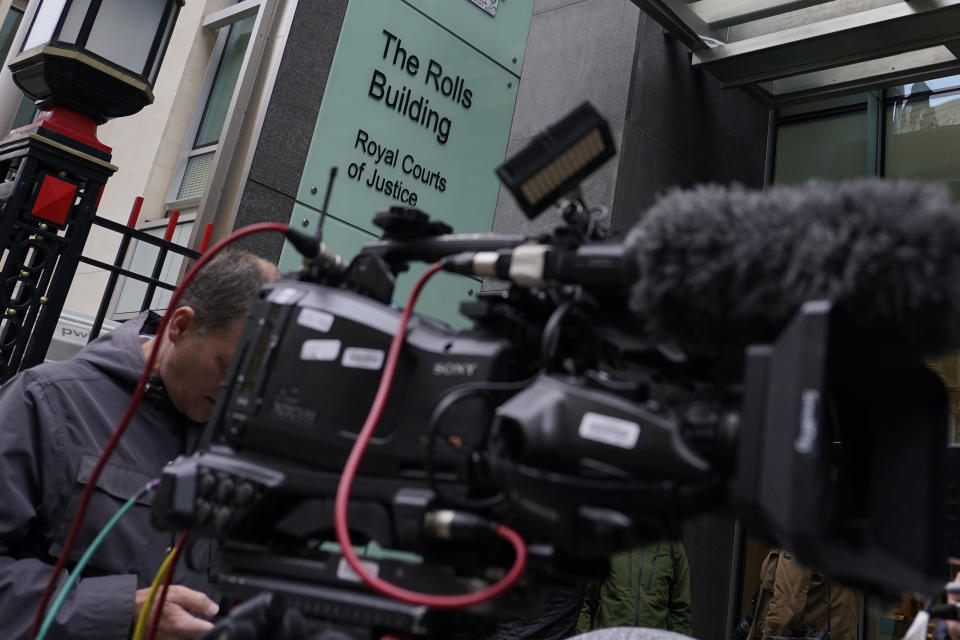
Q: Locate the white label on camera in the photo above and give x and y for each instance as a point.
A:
(609, 430)
(285, 295)
(320, 350)
(314, 319)
(806, 440)
(360, 358)
(346, 572)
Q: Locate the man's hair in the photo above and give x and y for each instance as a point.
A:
(224, 288)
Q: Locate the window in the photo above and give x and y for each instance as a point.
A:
(26, 113)
(8, 32)
(911, 131)
(922, 132)
(196, 164)
(832, 145)
(215, 112)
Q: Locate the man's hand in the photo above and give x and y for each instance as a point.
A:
(177, 621)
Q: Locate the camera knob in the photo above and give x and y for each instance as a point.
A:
(206, 483)
(225, 489)
(203, 511)
(244, 494)
(221, 518)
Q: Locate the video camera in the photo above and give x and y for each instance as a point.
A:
(557, 414)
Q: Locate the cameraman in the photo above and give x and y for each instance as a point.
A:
(54, 421)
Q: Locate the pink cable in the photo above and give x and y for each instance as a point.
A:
(131, 409)
(350, 470)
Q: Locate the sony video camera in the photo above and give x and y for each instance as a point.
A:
(554, 414)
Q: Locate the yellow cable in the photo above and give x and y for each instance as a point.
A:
(141, 629)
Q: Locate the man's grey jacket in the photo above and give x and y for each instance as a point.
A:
(54, 421)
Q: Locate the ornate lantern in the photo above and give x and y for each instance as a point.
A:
(99, 58)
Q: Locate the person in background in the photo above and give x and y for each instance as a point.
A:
(796, 602)
(948, 629)
(646, 587)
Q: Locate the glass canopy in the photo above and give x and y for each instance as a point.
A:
(787, 50)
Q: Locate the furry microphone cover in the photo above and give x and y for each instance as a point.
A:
(721, 268)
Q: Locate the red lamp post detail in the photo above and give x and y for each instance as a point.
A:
(54, 200)
(205, 241)
(69, 123)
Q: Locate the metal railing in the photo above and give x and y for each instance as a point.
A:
(33, 340)
(165, 247)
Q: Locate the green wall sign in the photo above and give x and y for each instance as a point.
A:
(413, 115)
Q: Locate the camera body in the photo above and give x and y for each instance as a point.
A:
(336, 342)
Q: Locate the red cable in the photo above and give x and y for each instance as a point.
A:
(131, 408)
(158, 604)
(350, 470)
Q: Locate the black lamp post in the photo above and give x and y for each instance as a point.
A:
(82, 62)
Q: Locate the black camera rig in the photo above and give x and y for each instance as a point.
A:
(554, 414)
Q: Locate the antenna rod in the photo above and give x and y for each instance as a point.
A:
(326, 202)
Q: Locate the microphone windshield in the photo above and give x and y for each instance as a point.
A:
(720, 268)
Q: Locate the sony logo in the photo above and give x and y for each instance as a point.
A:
(454, 368)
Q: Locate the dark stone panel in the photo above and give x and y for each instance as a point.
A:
(683, 128)
(709, 541)
(581, 51)
(665, 92)
(648, 168)
(263, 204)
(301, 78)
(736, 131)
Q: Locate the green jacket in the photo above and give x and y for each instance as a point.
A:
(646, 587)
